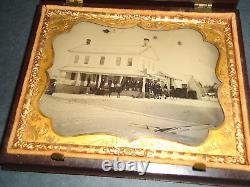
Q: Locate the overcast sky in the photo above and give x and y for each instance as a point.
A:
(181, 52)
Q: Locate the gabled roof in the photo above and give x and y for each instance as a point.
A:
(146, 51)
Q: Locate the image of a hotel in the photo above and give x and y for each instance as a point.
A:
(91, 65)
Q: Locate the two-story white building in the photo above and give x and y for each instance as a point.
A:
(92, 66)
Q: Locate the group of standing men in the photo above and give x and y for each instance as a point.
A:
(153, 89)
(157, 91)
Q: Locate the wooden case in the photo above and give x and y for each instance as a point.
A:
(223, 159)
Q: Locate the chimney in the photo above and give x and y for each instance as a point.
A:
(146, 41)
(88, 41)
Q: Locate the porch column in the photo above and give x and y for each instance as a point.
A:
(143, 84)
(99, 80)
(171, 82)
(95, 79)
(60, 77)
(92, 78)
(78, 79)
(120, 80)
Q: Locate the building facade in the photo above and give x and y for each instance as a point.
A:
(93, 67)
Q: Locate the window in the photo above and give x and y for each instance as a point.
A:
(102, 60)
(118, 61)
(76, 59)
(130, 61)
(86, 59)
(73, 76)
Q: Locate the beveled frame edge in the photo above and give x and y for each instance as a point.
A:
(244, 95)
(93, 167)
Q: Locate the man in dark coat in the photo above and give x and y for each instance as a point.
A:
(140, 85)
(147, 89)
(154, 87)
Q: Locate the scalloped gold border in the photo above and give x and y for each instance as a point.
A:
(225, 147)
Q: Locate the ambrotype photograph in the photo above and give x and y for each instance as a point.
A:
(132, 83)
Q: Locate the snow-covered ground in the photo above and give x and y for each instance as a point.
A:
(182, 120)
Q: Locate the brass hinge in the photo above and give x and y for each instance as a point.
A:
(74, 2)
(203, 5)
